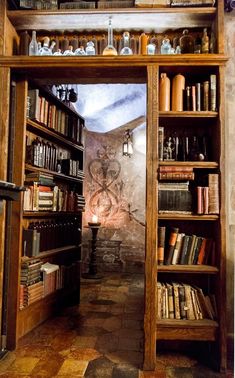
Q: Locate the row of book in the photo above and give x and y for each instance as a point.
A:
(45, 198)
(182, 301)
(40, 153)
(180, 197)
(179, 147)
(51, 116)
(47, 235)
(50, 278)
(175, 247)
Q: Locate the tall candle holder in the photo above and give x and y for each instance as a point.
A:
(92, 272)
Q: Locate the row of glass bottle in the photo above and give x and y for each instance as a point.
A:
(185, 44)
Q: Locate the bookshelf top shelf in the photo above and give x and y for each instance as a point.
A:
(201, 269)
(189, 114)
(194, 164)
(191, 217)
(147, 19)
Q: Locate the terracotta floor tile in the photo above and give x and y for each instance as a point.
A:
(73, 367)
(23, 365)
(84, 354)
(84, 342)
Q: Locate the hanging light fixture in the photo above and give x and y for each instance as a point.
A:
(127, 146)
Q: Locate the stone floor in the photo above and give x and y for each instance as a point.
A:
(100, 338)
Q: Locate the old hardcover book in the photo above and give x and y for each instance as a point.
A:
(34, 99)
(213, 183)
(182, 302)
(191, 249)
(176, 300)
(171, 313)
(161, 245)
(159, 300)
(185, 246)
(171, 245)
(197, 249)
(206, 95)
(178, 248)
(189, 303)
(198, 97)
(206, 311)
(160, 142)
(202, 251)
(213, 93)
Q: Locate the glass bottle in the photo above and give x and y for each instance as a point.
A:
(58, 52)
(90, 48)
(212, 43)
(126, 50)
(110, 49)
(186, 43)
(33, 46)
(80, 51)
(45, 50)
(151, 48)
(166, 46)
(198, 45)
(69, 52)
(205, 42)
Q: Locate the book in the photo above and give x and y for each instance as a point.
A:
(171, 312)
(192, 3)
(31, 242)
(171, 245)
(206, 95)
(188, 303)
(185, 246)
(182, 302)
(176, 300)
(197, 249)
(198, 97)
(191, 250)
(34, 101)
(178, 248)
(213, 93)
(213, 183)
(160, 142)
(161, 244)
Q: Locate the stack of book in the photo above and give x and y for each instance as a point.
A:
(41, 197)
(181, 301)
(175, 173)
(174, 197)
(208, 196)
(31, 287)
(176, 247)
(50, 281)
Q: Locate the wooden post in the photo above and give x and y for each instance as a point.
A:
(151, 211)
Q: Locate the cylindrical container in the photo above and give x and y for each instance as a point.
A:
(164, 93)
(143, 44)
(178, 86)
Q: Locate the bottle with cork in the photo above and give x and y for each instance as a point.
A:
(164, 92)
(178, 86)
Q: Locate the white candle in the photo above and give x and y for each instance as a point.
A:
(94, 219)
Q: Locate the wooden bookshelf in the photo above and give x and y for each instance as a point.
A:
(130, 69)
(61, 176)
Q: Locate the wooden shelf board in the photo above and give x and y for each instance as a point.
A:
(190, 217)
(49, 214)
(61, 176)
(56, 251)
(189, 114)
(51, 70)
(194, 164)
(201, 269)
(146, 19)
(172, 329)
(46, 131)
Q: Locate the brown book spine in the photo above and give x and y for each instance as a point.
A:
(161, 245)
(172, 168)
(199, 200)
(171, 245)
(160, 143)
(182, 302)
(213, 181)
(176, 176)
(213, 93)
(171, 312)
(206, 95)
(193, 94)
(198, 97)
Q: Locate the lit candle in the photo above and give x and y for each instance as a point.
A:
(94, 219)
